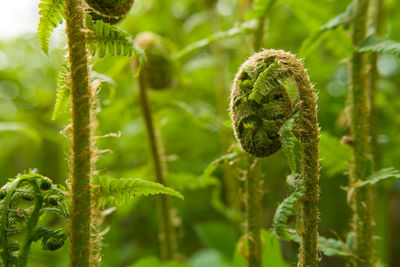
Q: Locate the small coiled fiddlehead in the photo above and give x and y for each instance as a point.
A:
(110, 11)
(260, 104)
(158, 71)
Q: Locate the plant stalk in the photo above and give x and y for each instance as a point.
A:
(253, 198)
(167, 235)
(363, 206)
(81, 140)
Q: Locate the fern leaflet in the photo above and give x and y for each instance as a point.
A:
(106, 39)
(379, 176)
(62, 95)
(287, 208)
(290, 144)
(51, 15)
(119, 191)
(380, 45)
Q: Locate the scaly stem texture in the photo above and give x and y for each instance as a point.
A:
(253, 198)
(80, 170)
(166, 229)
(363, 224)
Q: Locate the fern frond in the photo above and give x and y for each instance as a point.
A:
(332, 247)
(315, 39)
(380, 176)
(106, 39)
(380, 45)
(245, 27)
(287, 208)
(119, 191)
(62, 95)
(290, 144)
(51, 15)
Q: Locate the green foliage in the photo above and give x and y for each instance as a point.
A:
(380, 45)
(332, 247)
(287, 208)
(245, 27)
(259, 8)
(330, 147)
(19, 219)
(63, 93)
(106, 39)
(291, 144)
(316, 38)
(271, 252)
(218, 236)
(51, 15)
(22, 128)
(154, 262)
(111, 191)
(379, 176)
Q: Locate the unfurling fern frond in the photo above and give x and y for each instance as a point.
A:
(51, 15)
(62, 95)
(286, 209)
(380, 45)
(119, 191)
(291, 146)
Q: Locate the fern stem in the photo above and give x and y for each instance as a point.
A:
(364, 247)
(259, 33)
(81, 161)
(253, 198)
(167, 236)
(31, 225)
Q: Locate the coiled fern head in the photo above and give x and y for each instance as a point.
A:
(158, 71)
(110, 11)
(260, 103)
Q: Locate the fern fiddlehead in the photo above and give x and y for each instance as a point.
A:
(157, 67)
(259, 107)
(110, 11)
(15, 219)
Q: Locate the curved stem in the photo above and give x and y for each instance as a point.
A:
(167, 236)
(259, 33)
(253, 197)
(362, 166)
(81, 161)
(30, 226)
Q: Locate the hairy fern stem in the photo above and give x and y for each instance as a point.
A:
(253, 199)
(81, 152)
(167, 235)
(260, 105)
(363, 206)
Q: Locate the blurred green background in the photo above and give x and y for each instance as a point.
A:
(194, 125)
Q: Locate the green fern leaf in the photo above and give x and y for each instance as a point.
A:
(119, 191)
(380, 45)
(245, 27)
(51, 15)
(106, 39)
(315, 39)
(286, 209)
(332, 247)
(259, 8)
(290, 144)
(62, 95)
(380, 176)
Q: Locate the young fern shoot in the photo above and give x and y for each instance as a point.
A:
(260, 105)
(157, 74)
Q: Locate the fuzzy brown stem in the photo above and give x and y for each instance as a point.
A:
(364, 247)
(81, 140)
(167, 235)
(253, 198)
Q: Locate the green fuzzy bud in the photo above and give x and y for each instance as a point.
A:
(52, 200)
(110, 11)
(158, 71)
(54, 243)
(45, 184)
